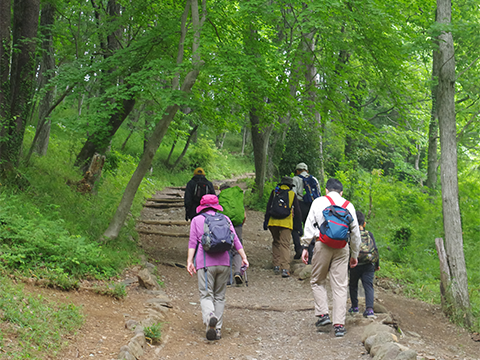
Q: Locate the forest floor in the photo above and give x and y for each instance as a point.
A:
(271, 318)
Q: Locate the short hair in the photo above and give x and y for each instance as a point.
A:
(334, 185)
(360, 218)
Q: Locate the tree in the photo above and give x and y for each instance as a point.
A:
(452, 224)
(169, 113)
(17, 72)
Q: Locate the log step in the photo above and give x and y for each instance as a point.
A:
(161, 233)
(165, 222)
(164, 205)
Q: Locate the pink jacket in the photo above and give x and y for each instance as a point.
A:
(196, 232)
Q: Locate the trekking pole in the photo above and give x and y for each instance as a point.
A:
(243, 271)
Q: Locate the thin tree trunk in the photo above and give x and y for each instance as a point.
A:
(46, 74)
(162, 126)
(167, 162)
(185, 148)
(452, 223)
(260, 138)
(220, 139)
(244, 139)
(132, 124)
(433, 126)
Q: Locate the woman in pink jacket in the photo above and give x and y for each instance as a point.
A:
(214, 268)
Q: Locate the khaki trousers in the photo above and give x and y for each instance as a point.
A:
(281, 246)
(212, 299)
(334, 261)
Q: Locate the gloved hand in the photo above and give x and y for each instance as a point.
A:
(265, 225)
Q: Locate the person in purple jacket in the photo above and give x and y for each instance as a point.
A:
(215, 270)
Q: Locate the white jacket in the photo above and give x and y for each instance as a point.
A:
(316, 216)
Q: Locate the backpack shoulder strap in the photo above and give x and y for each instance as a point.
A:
(345, 204)
(330, 199)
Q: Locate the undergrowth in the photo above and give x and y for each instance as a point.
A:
(31, 325)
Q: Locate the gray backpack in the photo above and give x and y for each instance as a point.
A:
(217, 236)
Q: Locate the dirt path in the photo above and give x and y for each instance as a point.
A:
(273, 317)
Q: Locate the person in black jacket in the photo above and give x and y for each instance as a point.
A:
(195, 189)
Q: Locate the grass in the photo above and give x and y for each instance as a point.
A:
(32, 326)
(153, 333)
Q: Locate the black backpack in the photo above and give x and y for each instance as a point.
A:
(201, 188)
(280, 208)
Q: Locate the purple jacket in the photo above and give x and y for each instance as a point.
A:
(196, 232)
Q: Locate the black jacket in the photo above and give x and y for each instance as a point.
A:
(190, 200)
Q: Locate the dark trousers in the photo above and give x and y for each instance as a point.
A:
(304, 208)
(366, 273)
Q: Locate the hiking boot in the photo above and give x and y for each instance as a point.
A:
(219, 334)
(323, 320)
(276, 270)
(369, 313)
(285, 273)
(238, 279)
(353, 310)
(339, 330)
(211, 332)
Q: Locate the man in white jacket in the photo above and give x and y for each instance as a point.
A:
(330, 260)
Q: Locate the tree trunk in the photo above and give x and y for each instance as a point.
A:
(276, 147)
(47, 67)
(260, 138)
(167, 162)
(185, 148)
(244, 139)
(220, 139)
(22, 74)
(98, 142)
(132, 124)
(433, 126)
(162, 126)
(145, 162)
(5, 48)
(451, 210)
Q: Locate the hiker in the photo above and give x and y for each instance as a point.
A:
(307, 189)
(195, 189)
(368, 263)
(282, 216)
(214, 268)
(231, 199)
(331, 255)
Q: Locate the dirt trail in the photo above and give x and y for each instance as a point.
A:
(273, 317)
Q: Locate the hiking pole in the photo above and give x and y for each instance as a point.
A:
(243, 271)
